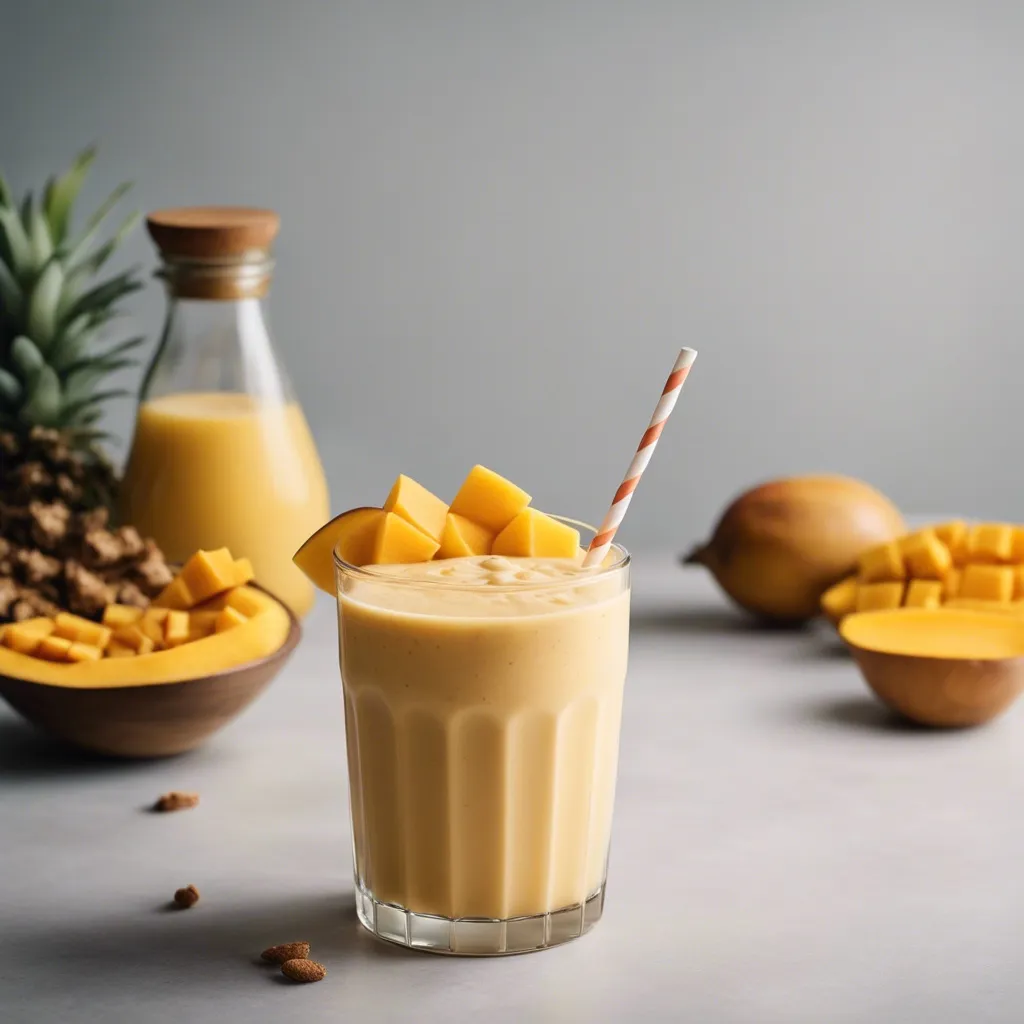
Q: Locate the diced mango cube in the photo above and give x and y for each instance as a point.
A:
(534, 534)
(73, 627)
(923, 594)
(115, 649)
(925, 556)
(954, 535)
(882, 564)
(207, 573)
(489, 499)
(133, 637)
(202, 622)
(175, 595)
(990, 543)
(53, 648)
(117, 615)
(1017, 553)
(79, 651)
(245, 600)
(951, 583)
(153, 628)
(228, 618)
(176, 627)
(987, 582)
(416, 505)
(462, 537)
(398, 541)
(25, 636)
(1018, 582)
(243, 571)
(873, 597)
(841, 599)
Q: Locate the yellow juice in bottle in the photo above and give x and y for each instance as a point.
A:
(213, 469)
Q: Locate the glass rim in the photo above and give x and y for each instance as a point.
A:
(368, 573)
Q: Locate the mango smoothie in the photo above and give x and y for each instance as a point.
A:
(219, 469)
(483, 698)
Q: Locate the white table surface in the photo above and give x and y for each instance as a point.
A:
(783, 852)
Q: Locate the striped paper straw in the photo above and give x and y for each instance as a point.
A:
(603, 538)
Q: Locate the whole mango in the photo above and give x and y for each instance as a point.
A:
(778, 547)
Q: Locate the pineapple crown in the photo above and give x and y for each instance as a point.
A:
(53, 309)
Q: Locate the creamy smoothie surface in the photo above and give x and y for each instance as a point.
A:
(483, 697)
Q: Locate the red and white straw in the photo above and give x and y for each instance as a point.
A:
(603, 538)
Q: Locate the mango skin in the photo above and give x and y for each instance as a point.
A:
(778, 547)
(257, 638)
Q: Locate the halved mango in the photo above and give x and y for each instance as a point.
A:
(462, 537)
(352, 534)
(398, 541)
(489, 499)
(416, 505)
(533, 534)
(839, 600)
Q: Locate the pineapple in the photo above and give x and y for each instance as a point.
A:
(57, 548)
(52, 312)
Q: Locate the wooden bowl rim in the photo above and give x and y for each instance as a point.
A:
(291, 641)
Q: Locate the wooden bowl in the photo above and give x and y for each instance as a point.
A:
(155, 720)
(973, 672)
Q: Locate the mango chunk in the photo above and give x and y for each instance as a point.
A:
(351, 535)
(79, 651)
(117, 615)
(534, 534)
(53, 648)
(73, 627)
(925, 556)
(840, 600)
(203, 621)
(416, 505)
(245, 600)
(244, 572)
(878, 596)
(175, 595)
(24, 637)
(176, 628)
(489, 499)
(951, 583)
(119, 650)
(987, 582)
(398, 541)
(463, 537)
(978, 605)
(923, 594)
(1018, 544)
(133, 637)
(882, 564)
(228, 618)
(954, 535)
(207, 573)
(990, 543)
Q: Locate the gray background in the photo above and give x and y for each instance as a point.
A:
(502, 220)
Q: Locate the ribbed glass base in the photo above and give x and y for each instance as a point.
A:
(477, 936)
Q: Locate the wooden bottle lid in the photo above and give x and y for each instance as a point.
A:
(212, 232)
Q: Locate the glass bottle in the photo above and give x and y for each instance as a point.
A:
(222, 455)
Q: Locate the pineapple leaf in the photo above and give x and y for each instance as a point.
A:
(43, 405)
(73, 411)
(10, 389)
(39, 236)
(11, 296)
(26, 357)
(124, 346)
(42, 305)
(6, 199)
(102, 296)
(61, 194)
(77, 249)
(70, 342)
(92, 263)
(17, 243)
